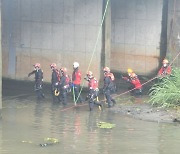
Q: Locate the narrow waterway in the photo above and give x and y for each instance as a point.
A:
(27, 122)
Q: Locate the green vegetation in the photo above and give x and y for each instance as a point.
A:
(166, 92)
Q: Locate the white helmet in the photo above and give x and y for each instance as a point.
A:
(75, 64)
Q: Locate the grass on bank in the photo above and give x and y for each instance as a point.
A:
(166, 91)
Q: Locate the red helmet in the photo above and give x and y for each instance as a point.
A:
(106, 69)
(165, 61)
(37, 65)
(63, 70)
(89, 74)
(53, 65)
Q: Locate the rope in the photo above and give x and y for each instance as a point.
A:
(12, 97)
(96, 47)
(128, 90)
(98, 36)
(100, 30)
(74, 97)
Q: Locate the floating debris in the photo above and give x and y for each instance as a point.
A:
(45, 144)
(52, 140)
(49, 141)
(26, 142)
(105, 125)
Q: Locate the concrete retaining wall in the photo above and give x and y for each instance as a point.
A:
(46, 31)
(64, 31)
(136, 34)
(173, 30)
(0, 68)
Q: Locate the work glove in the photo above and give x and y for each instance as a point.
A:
(86, 78)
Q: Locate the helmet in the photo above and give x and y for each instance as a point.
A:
(63, 70)
(106, 69)
(129, 70)
(75, 64)
(37, 65)
(133, 75)
(53, 65)
(165, 61)
(89, 74)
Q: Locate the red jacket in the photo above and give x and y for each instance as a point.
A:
(76, 77)
(165, 71)
(136, 83)
(93, 84)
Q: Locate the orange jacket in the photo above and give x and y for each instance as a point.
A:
(93, 84)
(76, 77)
(165, 70)
(136, 83)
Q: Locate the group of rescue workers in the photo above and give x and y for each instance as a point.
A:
(62, 84)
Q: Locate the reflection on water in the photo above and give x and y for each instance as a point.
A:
(24, 119)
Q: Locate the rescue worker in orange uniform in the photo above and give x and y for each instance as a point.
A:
(64, 85)
(38, 80)
(109, 86)
(55, 79)
(135, 86)
(76, 81)
(165, 69)
(93, 91)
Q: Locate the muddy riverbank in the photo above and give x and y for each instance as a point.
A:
(138, 108)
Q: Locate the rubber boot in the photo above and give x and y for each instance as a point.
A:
(114, 102)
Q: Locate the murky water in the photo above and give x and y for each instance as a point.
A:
(26, 123)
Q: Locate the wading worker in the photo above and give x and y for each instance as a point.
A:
(135, 86)
(64, 85)
(109, 86)
(165, 69)
(55, 79)
(38, 80)
(76, 81)
(93, 91)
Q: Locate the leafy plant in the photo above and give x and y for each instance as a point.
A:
(166, 92)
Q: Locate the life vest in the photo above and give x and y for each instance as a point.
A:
(76, 77)
(111, 84)
(93, 84)
(136, 83)
(58, 74)
(165, 70)
(68, 79)
(67, 84)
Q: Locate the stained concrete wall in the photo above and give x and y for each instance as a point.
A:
(136, 35)
(173, 31)
(0, 66)
(46, 31)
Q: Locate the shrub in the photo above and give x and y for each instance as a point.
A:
(166, 92)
